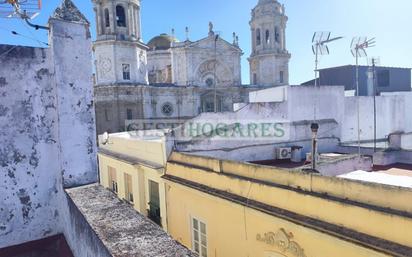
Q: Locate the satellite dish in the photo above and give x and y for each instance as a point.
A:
(105, 138)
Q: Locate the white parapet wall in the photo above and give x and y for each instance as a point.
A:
(269, 95)
(392, 115)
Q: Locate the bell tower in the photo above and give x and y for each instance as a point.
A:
(269, 60)
(120, 55)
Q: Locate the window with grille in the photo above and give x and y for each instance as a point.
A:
(126, 71)
(128, 183)
(129, 114)
(199, 236)
(154, 204)
(107, 114)
(113, 180)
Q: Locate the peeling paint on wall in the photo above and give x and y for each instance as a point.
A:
(43, 134)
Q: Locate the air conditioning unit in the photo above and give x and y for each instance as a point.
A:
(284, 153)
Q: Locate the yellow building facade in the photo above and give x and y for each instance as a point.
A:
(132, 168)
(231, 209)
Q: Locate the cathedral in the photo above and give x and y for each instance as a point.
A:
(173, 79)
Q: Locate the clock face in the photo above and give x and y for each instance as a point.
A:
(105, 65)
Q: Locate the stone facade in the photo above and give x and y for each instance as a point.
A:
(168, 79)
(120, 56)
(269, 61)
(206, 62)
(116, 104)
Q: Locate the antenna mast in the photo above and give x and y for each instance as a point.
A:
(358, 49)
(320, 43)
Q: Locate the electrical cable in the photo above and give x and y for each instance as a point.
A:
(7, 51)
(32, 34)
(15, 33)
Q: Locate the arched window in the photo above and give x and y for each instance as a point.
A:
(267, 37)
(258, 37)
(106, 18)
(120, 16)
(277, 35)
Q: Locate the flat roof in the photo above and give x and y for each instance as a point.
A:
(394, 175)
(122, 229)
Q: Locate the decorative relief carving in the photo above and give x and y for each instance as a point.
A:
(142, 62)
(105, 66)
(283, 241)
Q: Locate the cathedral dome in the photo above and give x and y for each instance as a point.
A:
(161, 42)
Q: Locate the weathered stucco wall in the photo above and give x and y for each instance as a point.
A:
(392, 116)
(30, 179)
(73, 78)
(47, 129)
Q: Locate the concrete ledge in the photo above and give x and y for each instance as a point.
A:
(122, 230)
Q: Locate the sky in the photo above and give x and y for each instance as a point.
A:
(389, 22)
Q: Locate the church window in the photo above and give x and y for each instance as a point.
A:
(106, 18)
(267, 37)
(126, 71)
(167, 109)
(254, 78)
(277, 35)
(129, 114)
(210, 82)
(258, 37)
(209, 106)
(120, 16)
(281, 77)
(106, 115)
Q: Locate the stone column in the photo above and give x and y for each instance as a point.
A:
(284, 36)
(133, 20)
(99, 20)
(138, 32)
(114, 19)
(129, 22)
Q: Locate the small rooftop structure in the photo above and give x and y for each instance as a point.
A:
(388, 79)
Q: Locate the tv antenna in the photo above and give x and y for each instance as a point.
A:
(358, 49)
(26, 10)
(320, 43)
